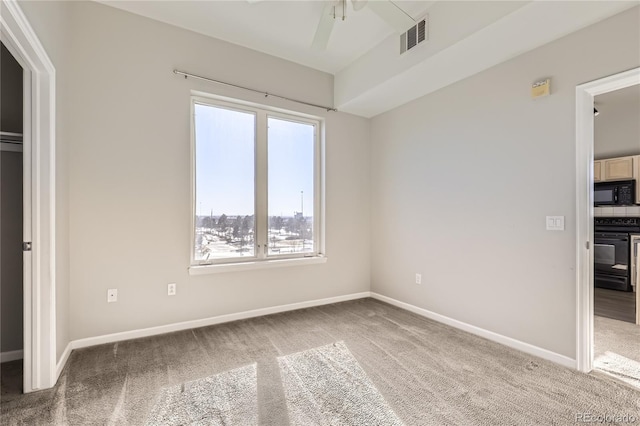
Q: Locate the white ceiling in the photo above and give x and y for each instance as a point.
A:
(280, 28)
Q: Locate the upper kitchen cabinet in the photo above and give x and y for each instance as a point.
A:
(621, 168)
(597, 170)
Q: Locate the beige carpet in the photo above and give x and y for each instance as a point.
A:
(426, 372)
(327, 386)
(225, 399)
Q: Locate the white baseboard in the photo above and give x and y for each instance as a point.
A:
(186, 325)
(11, 355)
(63, 360)
(490, 335)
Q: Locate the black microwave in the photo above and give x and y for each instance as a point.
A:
(621, 193)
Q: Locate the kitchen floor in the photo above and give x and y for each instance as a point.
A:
(614, 304)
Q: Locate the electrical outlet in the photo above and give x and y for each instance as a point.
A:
(171, 289)
(418, 278)
(112, 295)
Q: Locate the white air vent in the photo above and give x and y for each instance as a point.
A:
(415, 35)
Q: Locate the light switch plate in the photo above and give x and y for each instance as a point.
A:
(112, 295)
(555, 223)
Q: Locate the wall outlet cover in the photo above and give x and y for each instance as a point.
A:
(171, 289)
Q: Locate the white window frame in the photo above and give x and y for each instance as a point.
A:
(261, 259)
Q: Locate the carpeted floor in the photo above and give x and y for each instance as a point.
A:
(416, 371)
(327, 386)
(228, 398)
(617, 349)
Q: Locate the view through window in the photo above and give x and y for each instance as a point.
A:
(255, 184)
(290, 153)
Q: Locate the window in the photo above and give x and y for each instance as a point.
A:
(256, 183)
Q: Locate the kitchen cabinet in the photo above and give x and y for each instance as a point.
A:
(618, 168)
(597, 170)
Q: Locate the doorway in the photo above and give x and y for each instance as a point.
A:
(617, 154)
(588, 96)
(40, 369)
(11, 223)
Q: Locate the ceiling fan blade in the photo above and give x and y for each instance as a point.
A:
(397, 18)
(325, 27)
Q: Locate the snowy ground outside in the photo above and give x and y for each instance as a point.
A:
(210, 244)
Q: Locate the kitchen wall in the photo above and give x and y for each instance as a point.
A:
(10, 207)
(617, 127)
(464, 177)
(51, 21)
(129, 165)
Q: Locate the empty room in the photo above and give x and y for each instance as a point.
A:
(348, 212)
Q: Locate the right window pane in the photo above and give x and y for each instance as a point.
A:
(290, 151)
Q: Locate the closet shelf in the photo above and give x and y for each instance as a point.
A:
(10, 137)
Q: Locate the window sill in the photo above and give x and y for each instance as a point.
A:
(247, 266)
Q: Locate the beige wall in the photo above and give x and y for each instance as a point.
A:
(130, 178)
(463, 178)
(617, 127)
(51, 21)
(460, 181)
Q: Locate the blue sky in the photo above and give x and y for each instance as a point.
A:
(225, 168)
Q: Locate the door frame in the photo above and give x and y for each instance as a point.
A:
(39, 196)
(585, 94)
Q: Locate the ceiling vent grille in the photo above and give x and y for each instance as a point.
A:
(415, 35)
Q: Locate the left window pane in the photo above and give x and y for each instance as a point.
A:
(225, 183)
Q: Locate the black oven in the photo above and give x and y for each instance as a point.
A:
(611, 260)
(621, 193)
(612, 251)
